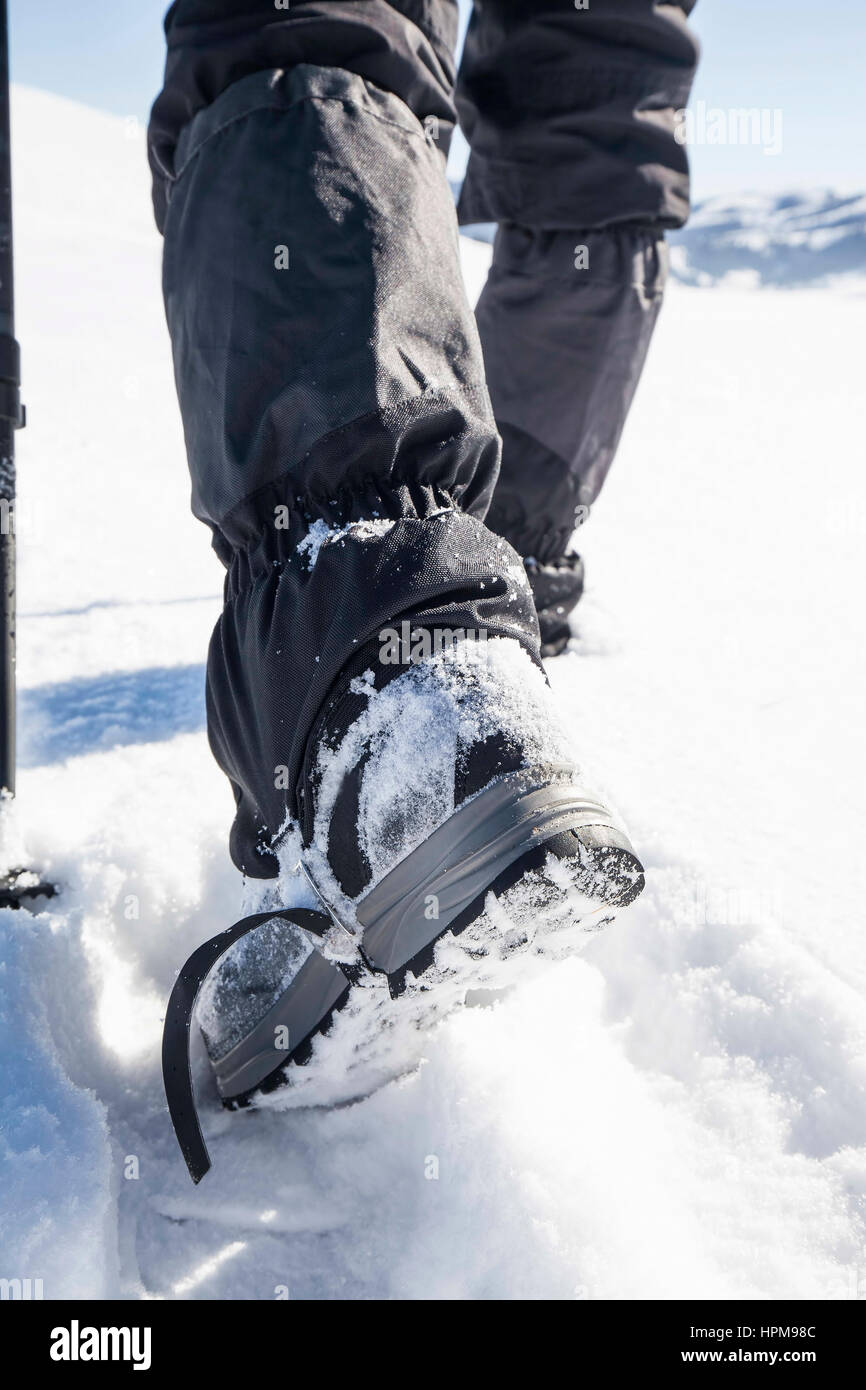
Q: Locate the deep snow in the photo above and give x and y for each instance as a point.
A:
(678, 1112)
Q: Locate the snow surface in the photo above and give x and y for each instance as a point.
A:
(678, 1112)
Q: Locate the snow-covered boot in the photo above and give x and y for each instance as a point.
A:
(422, 790)
(447, 837)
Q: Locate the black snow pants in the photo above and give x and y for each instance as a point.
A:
(328, 366)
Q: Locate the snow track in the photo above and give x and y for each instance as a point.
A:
(677, 1112)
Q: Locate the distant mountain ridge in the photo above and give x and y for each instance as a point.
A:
(790, 239)
(795, 240)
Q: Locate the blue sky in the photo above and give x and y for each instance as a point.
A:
(803, 58)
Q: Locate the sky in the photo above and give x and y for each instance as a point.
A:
(801, 63)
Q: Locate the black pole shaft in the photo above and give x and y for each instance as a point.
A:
(10, 419)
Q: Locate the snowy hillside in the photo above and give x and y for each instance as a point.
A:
(678, 1112)
(792, 240)
(795, 239)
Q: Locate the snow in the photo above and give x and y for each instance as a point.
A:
(320, 533)
(679, 1111)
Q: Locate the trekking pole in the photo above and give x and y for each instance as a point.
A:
(15, 884)
(11, 419)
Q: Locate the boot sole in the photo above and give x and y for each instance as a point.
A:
(429, 889)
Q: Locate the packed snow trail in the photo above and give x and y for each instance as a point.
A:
(679, 1111)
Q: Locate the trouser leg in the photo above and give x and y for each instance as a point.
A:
(570, 115)
(403, 46)
(327, 363)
